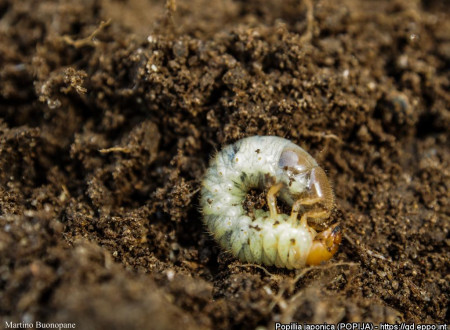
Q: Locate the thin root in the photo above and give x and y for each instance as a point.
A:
(323, 135)
(272, 199)
(259, 267)
(365, 249)
(309, 21)
(323, 267)
(115, 149)
(88, 41)
(171, 8)
(278, 298)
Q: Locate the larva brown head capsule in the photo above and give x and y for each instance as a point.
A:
(306, 180)
(311, 193)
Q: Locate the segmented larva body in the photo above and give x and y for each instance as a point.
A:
(268, 237)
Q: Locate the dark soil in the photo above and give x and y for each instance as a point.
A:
(106, 130)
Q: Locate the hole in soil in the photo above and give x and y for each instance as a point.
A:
(428, 124)
(3, 9)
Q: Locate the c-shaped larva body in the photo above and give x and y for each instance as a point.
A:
(268, 237)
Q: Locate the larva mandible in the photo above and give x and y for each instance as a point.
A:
(270, 238)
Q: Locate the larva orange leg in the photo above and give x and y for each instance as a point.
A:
(314, 214)
(272, 199)
(310, 200)
(317, 214)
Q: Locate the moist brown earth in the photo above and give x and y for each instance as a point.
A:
(111, 110)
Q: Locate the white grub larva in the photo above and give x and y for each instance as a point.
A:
(268, 237)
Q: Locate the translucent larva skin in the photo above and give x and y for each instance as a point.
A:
(267, 238)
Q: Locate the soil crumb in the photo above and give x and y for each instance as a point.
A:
(111, 110)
